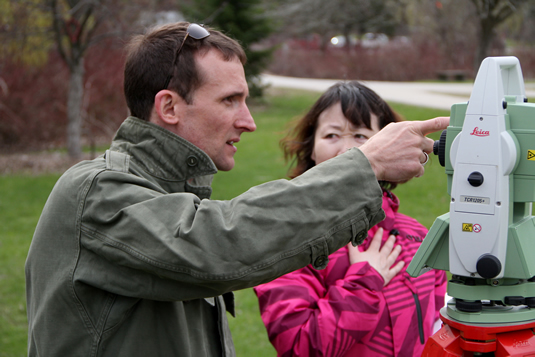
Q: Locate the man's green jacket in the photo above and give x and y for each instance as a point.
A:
(131, 258)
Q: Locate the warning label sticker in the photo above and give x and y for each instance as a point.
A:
(468, 227)
(531, 155)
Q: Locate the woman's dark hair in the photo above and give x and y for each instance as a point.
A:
(358, 104)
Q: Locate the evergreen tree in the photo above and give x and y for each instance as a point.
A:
(242, 20)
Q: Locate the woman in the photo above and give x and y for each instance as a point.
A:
(364, 303)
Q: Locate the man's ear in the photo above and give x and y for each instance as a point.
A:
(167, 106)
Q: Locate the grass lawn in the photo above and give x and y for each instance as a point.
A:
(21, 201)
(258, 160)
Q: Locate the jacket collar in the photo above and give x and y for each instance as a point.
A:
(163, 154)
(390, 207)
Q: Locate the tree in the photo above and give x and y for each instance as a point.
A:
(24, 43)
(75, 24)
(31, 27)
(23, 26)
(491, 14)
(336, 17)
(522, 24)
(73, 27)
(468, 31)
(244, 21)
(448, 24)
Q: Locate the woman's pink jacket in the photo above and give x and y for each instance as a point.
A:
(344, 310)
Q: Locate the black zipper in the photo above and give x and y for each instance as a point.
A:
(419, 314)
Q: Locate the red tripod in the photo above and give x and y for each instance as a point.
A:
(459, 339)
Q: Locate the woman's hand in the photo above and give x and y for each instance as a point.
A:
(380, 258)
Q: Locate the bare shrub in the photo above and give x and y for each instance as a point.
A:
(400, 60)
(33, 100)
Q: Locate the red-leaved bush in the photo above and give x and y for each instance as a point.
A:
(33, 101)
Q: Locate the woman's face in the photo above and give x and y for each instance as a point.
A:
(335, 134)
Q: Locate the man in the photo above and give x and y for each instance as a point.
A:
(131, 258)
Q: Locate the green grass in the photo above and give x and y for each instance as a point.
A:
(258, 160)
(21, 201)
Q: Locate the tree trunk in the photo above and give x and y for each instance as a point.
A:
(486, 36)
(74, 105)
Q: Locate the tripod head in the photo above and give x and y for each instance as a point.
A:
(487, 240)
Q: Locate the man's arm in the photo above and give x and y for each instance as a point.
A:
(156, 245)
(396, 152)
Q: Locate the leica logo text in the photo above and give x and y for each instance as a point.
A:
(479, 132)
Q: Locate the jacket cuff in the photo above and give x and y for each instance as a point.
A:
(366, 275)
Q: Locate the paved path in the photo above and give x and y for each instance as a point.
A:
(432, 95)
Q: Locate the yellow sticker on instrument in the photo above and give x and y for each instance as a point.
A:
(468, 227)
(531, 155)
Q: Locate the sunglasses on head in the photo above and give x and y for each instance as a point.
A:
(195, 31)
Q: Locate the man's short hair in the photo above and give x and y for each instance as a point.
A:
(150, 57)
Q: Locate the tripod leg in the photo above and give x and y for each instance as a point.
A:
(515, 344)
(445, 343)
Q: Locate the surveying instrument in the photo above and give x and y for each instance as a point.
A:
(487, 240)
